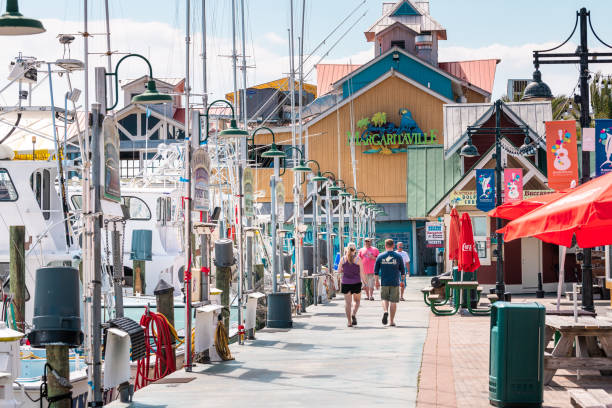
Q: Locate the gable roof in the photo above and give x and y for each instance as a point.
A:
(282, 84)
(419, 23)
(457, 118)
(480, 73)
(454, 79)
(371, 85)
(171, 82)
(532, 171)
(328, 74)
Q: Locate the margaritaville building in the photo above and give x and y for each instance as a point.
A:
(393, 127)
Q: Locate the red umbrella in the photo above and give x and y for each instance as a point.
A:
(515, 209)
(468, 256)
(585, 211)
(453, 235)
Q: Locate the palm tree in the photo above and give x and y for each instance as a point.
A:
(601, 97)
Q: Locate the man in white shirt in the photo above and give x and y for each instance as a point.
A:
(406, 259)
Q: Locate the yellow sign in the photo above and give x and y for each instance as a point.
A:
(38, 155)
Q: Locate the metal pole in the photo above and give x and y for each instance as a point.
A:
(117, 270)
(187, 201)
(273, 224)
(204, 84)
(341, 224)
(500, 287)
(234, 56)
(585, 121)
(97, 248)
(109, 61)
(315, 228)
(329, 208)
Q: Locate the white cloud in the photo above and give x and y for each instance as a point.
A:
(517, 63)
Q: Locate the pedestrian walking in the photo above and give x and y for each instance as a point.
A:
(390, 268)
(406, 259)
(368, 255)
(352, 277)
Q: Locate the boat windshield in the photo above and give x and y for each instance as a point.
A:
(139, 210)
(7, 189)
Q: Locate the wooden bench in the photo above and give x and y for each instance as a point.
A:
(594, 398)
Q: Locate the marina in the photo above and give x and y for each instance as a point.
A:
(205, 212)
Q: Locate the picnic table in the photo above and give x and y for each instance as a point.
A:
(430, 290)
(585, 333)
(457, 287)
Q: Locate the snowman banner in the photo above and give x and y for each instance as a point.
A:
(513, 185)
(561, 153)
(603, 146)
(485, 189)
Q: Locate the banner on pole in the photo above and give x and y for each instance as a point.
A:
(513, 185)
(247, 191)
(201, 175)
(588, 139)
(603, 146)
(561, 153)
(111, 181)
(485, 189)
(280, 201)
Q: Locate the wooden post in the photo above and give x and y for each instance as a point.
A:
(164, 297)
(139, 276)
(17, 273)
(223, 282)
(57, 357)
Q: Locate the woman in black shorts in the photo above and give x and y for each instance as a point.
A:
(352, 273)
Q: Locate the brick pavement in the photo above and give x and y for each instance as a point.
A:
(456, 350)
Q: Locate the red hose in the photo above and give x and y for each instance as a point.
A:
(157, 334)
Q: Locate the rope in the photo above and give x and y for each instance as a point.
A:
(222, 342)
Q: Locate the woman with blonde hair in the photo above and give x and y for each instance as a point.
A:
(352, 277)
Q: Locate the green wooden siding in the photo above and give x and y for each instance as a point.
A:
(429, 177)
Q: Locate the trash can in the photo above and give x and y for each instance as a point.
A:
(517, 329)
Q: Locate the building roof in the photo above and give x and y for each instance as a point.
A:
(457, 118)
(173, 82)
(282, 84)
(411, 14)
(480, 73)
(328, 74)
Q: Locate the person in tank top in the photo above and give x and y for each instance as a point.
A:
(352, 278)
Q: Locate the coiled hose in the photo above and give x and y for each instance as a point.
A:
(158, 340)
(222, 342)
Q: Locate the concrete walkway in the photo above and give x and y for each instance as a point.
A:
(319, 362)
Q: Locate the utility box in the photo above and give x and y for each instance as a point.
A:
(516, 354)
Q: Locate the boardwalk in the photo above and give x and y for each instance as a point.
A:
(319, 362)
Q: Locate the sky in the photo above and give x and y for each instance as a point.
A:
(507, 30)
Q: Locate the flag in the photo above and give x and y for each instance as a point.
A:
(485, 189)
(561, 153)
(513, 185)
(603, 146)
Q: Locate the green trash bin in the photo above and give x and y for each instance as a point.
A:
(516, 354)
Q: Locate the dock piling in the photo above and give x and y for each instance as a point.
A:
(17, 273)
(57, 358)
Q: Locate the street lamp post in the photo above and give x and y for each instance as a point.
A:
(348, 195)
(469, 150)
(538, 90)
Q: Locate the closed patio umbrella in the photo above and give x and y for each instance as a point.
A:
(468, 256)
(453, 236)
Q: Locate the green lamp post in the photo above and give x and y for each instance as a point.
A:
(230, 133)
(14, 23)
(273, 151)
(151, 96)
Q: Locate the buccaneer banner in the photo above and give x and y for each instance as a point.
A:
(513, 185)
(485, 189)
(561, 153)
(111, 181)
(603, 146)
(201, 176)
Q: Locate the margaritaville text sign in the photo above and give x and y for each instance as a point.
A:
(386, 138)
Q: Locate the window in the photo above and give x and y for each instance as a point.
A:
(138, 208)
(164, 209)
(77, 201)
(7, 189)
(40, 181)
(400, 44)
(480, 226)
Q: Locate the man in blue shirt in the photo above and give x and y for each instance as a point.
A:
(389, 270)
